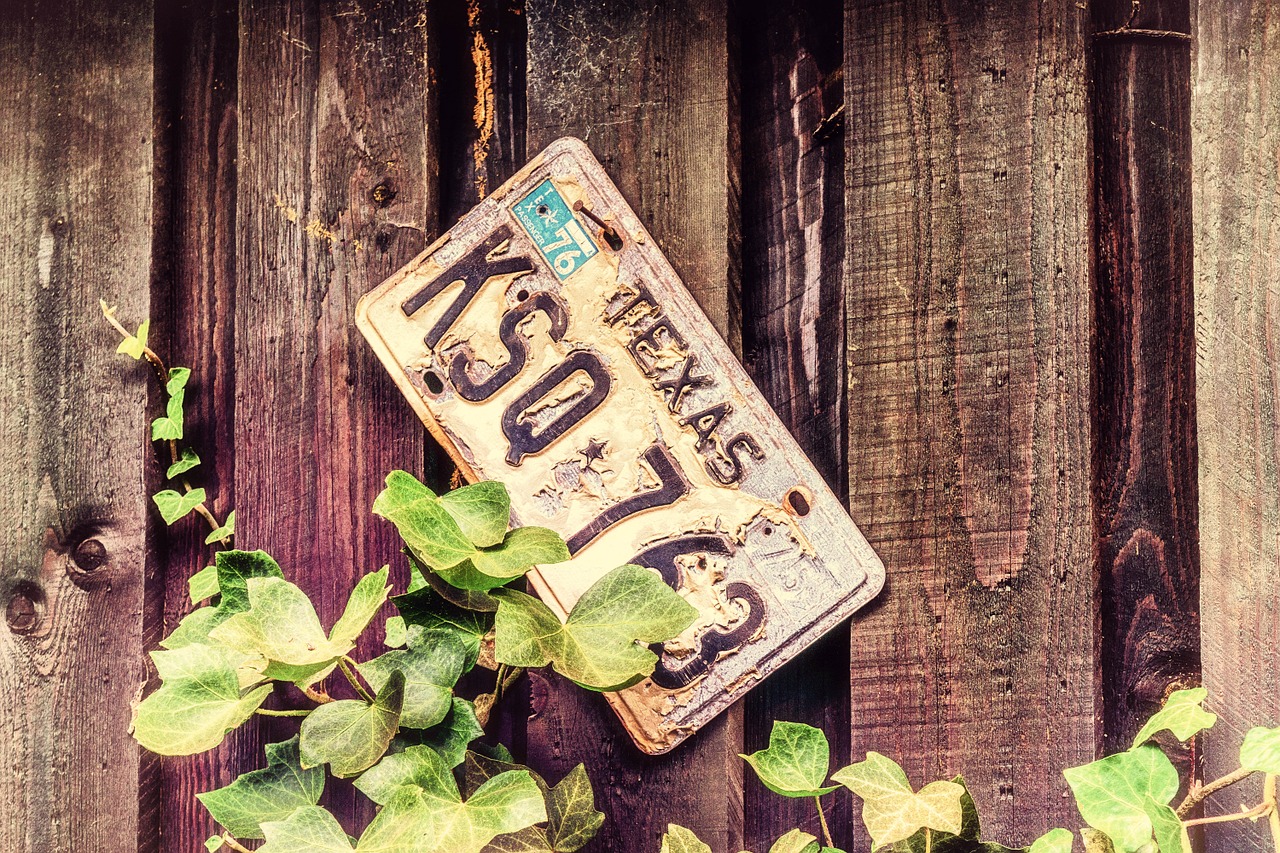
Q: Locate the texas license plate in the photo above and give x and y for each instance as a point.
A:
(546, 342)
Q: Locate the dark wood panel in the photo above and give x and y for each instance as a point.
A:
(1236, 143)
(969, 336)
(652, 92)
(793, 337)
(336, 189)
(1144, 384)
(76, 165)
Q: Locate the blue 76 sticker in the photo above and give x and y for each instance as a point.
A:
(556, 232)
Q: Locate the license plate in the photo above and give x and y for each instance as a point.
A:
(546, 342)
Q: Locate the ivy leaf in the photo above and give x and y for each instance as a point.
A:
(424, 525)
(133, 345)
(1112, 793)
(1181, 715)
(467, 599)
(677, 839)
(186, 462)
(396, 633)
(891, 810)
(451, 737)
(572, 817)
(203, 584)
(170, 426)
(435, 818)
(796, 841)
(796, 761)
(308, 830)
(233, 569)
(521, 549)
(417, 765)
(350, 735)
(966, 841)
(198, 702)
(482, 511)
(426, 609)
(269, 794)
(226, 531)
(597, 646)
(1171, 835)
(1261, 750)
(174, 505)
(1053, 841)
(431, 665)
(281, 625)
(213, 843)
(1096, 842)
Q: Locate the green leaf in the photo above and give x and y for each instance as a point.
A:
(1171, 835)
(796, 761)
(891, 810)
(417, 765)
(269, 794)
(467, 599)
(424, 525)
(426, 609)
(186, 462)
(226, 531)
(966, 841)
(1053, 841)
(572, 817)
(1095, 841)
(203, 584)
(521, 550)
(433, 817)
(174, 506)
(598, 646)
(178, 378)
(134, 345)
(307, 830)
(235, 568)
(796, 841)
(431, 665)
(677, 839)
(281, 625)
(1181, 715)
(170, 426)
(451, 737)
(1261, 750)
(482, 511)
(1112, 793)
(351, 735)
(396, 633)
(213, 843)
(198, 702)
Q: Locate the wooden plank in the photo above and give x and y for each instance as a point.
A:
(336, 189)
(196, 72)
(1236, 141)
(652, 93)
(793, 338)
(969, 356)
(1144, 458)
(76, 167)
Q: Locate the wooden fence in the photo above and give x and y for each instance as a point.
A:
(1008, 270)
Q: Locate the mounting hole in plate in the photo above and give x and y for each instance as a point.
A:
(433, 381)
(522, 295)
(796, 501)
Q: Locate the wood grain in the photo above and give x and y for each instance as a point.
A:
(793, 332)
(1144, 385)
(1235, 122)
(76, 164)
(969, 327)
(336, 189)
(652, 92)
(196, 178)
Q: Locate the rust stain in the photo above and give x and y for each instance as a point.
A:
(482, 115)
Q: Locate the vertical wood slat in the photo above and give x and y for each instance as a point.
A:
(793, 339)
(336, 190)
(196, 77)
(969, 336)
(1235, 122)
(652, 92)
(76, 164)
(1144, 386)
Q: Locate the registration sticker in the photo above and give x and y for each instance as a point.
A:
(546, 342)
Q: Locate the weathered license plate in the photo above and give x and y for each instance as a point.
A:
(547, 343)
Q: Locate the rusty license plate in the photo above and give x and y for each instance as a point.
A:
(546, 342)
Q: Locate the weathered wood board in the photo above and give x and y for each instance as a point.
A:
(573, 365)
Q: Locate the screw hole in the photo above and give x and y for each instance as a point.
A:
(433, 381)
(522, 295)
(543, 210)
(796, 502)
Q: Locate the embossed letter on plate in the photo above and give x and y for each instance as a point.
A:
(547, 343)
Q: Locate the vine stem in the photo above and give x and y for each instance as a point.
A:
(1273, 817)
(267, 712)
(229, 841)
(1198, 795)
(1257, 811)
(822, 820)
(928, 840)
(317, 696)
(346, 664)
